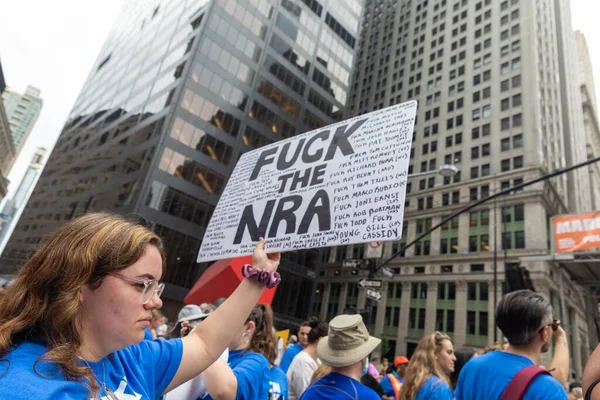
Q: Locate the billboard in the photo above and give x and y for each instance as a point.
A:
(576, 232)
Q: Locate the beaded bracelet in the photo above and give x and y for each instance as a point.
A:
(269, 279)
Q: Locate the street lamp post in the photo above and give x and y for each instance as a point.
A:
(446, 170)
(486, 199)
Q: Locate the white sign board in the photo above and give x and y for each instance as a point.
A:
(337, 185)
(373, 294)
(374, 250)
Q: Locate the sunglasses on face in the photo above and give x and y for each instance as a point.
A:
(148, 287)
(555, 324)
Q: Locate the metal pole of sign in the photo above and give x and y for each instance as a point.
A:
(369, 302)
(495, 265)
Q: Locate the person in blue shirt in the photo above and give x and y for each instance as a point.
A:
(345, 349)
(292, 352)
(392, 388)
(249, 373)
(525, 319)
(72, 324)
(428, 373)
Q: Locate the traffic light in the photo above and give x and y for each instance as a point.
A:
(517, 278)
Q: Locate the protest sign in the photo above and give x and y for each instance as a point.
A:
(341, 184)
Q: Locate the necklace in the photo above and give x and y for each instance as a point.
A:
(109, 393)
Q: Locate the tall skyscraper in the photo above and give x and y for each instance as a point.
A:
(7, 150)
(496, 91)
(180, 90)
(22, 111)
(13, 207)
(590, 115)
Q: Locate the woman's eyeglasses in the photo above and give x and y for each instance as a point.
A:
(148, 286)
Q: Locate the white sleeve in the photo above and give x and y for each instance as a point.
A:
(299, 375)
(192, 389)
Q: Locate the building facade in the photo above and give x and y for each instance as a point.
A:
(7, 150)
(180, 90)
(485, 76)
(22, 111)
(13, 207)
(590, 115)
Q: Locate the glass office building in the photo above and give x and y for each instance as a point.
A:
(180, 90)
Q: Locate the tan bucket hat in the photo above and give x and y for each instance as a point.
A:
(348, 342)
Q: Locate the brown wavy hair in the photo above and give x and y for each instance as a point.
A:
(423, 364)
(263, 340)
(44, 301)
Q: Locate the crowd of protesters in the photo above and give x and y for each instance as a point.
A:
(82, 321)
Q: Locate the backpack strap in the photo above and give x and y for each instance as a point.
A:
(396, 385)
(588, 393)
(520, 382)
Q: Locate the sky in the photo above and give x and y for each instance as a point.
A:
(53, 45)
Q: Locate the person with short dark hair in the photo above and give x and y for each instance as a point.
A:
(290, 353)
(526, 320)
(306, 362)
(462, 356)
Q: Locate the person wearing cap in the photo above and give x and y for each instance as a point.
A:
(345, 349)
(393, 381)
(192, 314)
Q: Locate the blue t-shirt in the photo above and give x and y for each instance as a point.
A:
(487, 376)
(335, 386)
(434, 388)
(250, 370)
(288, 356)
(142, 371)
(148, 334)
(277, 383)
(386, 384)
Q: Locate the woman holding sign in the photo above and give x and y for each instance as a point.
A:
(71, 326)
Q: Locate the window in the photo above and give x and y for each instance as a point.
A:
(474, 172)
(519, 210)
(486, 111)
(516, 100)
(474, 153)
(477, 267)
(505, 144)
(476, 114)
(518, 162)
(505, 124)
(475, 133)
(485, 170)
(519, 240)
(517, 141)
(485, 150)
(516, 64)
(504, 104)
(516, 120)
(505, 165)
(485, 130)
(516, 81)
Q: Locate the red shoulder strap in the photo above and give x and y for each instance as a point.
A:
(520, 382)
